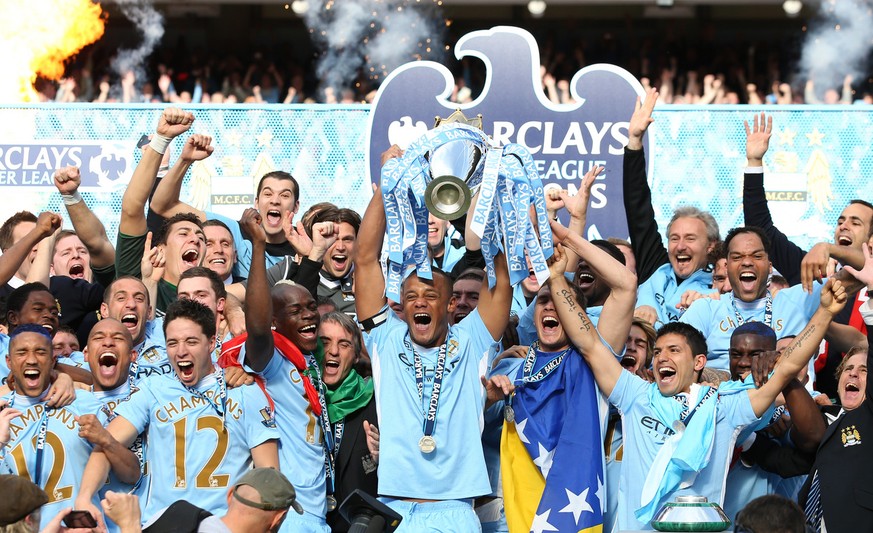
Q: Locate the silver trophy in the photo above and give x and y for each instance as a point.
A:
(455, 171)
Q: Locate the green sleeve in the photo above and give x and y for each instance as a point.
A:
(128, 255)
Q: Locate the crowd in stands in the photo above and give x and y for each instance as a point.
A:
(675, 68)
(213, 374)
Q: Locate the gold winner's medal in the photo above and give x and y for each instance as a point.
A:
(427, 444)
(331, 503)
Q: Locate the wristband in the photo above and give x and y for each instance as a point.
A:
(159, 143)
(71, 199)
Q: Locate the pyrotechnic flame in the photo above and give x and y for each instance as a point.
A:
(37, 36)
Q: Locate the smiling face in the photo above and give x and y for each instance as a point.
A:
(465, 294)
(185, 248)
(436, 232)
(594, 289)
(549, 330)
(276, 198)
(220, 251)
(200, 289)
(189, 350)
(426, 306)
(30, 362)
(129, 304)
(743, 349)
(674, 365)
(64, 343)
(40, 308)
(338, 258)
(720, 281)
(339, 353)
(295, 315)
(71, 258)
(748, 267)
(109, 354)
(852, 385)
(853, 226)
(635, 349)
(688, 246)
(530, 285)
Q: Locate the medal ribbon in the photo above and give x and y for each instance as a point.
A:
(768, 311)
(40, 439)
(327, 442)
(219, 407)
(430, 413)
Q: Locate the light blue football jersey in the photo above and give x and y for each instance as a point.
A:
(643, 435)
(64, 454)
(190, 455)
(152, 359)
(717, 319)
(456, 469)
(301, 451)
(110, 399)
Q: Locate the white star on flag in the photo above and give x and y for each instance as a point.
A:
(578, 504)
(599, 493)
(519, 428)
(541, 523)
(544, 461)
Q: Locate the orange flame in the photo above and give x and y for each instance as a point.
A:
(37, 36)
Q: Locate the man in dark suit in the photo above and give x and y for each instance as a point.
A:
(352, 410)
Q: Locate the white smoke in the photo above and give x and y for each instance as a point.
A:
(150, 24)
(372, 38)
(838, 43)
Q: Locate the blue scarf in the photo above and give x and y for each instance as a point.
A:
(688, 450)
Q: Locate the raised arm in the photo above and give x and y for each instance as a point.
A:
(494, 304)
(88, 227)
(165, 202)
(645, 240)
(46, 224)
(579, 328)
(807, 424)
(259, 303)
(41, 266)
(98, 464)
(617, 315)
(577, 207)
(802, 348)
(786, 255)
(173, 122)
(369, 280)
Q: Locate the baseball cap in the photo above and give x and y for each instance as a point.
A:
(276, 492)
(28, 498)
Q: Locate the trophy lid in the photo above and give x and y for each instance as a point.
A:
(458, 116)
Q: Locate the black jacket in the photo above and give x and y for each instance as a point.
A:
(354, 465)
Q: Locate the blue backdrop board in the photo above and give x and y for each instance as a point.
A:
(819, 159)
